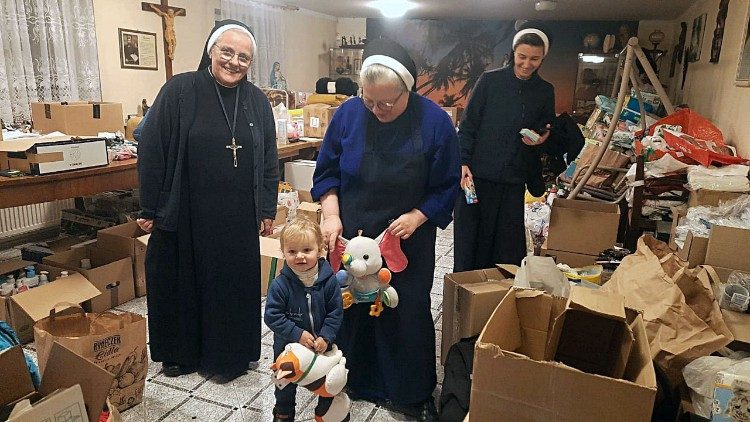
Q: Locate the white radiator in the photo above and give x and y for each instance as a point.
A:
(18, 220)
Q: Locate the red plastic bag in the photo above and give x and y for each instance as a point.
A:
(692, 124)
(699, 141)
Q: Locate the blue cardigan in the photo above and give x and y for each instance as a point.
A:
(344, 145)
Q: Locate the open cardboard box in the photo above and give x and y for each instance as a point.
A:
(112, 275)
(127, 240)
(271, 262)
(64, 369)
(78, 118)
(693, 251)
(24, 309)
(512, 378)
(469, 298)
(569, 218)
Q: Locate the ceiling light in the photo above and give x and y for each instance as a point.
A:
(393, 8)
(545, 5)
(591, 58)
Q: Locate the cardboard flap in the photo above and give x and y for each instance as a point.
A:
(507, 270)
(65, 368)
(610, 305)
(15, 375)
(14, 265)
(19, 145)
(727, 248)
(37, 302)
(270, 247)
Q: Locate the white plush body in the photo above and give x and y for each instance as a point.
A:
(364, 278)
(327, 376)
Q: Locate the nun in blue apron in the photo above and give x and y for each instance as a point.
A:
(390, 160)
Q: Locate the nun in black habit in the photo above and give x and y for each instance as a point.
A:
(208, 173)
(390, 160)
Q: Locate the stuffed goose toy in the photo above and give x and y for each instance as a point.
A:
(364, 279)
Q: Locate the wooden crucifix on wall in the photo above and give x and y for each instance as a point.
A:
(167, 13)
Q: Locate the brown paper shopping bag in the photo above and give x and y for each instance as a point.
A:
(683, 319)
(115, 342)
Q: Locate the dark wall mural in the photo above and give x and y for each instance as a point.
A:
(452, 54)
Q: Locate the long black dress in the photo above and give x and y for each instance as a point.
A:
(204, 297)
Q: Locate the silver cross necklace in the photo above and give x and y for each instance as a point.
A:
(233, 146)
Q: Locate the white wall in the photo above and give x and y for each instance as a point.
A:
(129, 86)
(309, 35)
(355, 27)
(709, 87)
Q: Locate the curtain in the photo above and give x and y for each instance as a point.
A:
(267, 25)
(49, 53)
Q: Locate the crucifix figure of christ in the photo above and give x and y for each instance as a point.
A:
(234, 147)
(167, 14)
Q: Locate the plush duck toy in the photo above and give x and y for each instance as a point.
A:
(324, 374)
(364, 280)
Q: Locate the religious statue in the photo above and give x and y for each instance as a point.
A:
(169, 34)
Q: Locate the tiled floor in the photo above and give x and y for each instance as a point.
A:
(197, 397)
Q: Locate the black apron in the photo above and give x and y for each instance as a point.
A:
(392, 357)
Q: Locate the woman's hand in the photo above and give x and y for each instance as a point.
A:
(406, 224)
(266, 227)
(466, 176)
(145, 225)
(542, 139)
(332, 229)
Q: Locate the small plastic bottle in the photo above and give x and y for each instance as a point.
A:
(552, 195)
(63, 274)
(43, 277)
(32, 280)
(21, 285)
(85, 264)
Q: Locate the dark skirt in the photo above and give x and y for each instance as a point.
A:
(492, 231)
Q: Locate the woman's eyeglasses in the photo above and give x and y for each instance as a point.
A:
(227, 54)
(382, 105)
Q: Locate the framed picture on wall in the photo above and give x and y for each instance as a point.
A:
(743, 67)
(696, 39)
(137, 49)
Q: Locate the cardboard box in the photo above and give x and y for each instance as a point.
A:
(64, 369)
(574, 260)
(113, 276)
(62, 405)
(711, 198)
(454, 113)
(317, 118)
(728, 248)
(271, 262)
(312, 211)
(299, 173)
(127, 240)
(24, 309)
(512, 379)
(469, 298)
(79, 118)
(53, 154)
(6, 268)
(592, 333)
(570, 218)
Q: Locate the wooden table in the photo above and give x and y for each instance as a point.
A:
(303, 149)
(26, 190)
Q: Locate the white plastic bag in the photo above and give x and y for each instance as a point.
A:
(541, 272)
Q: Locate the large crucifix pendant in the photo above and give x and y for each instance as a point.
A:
(234, 147)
